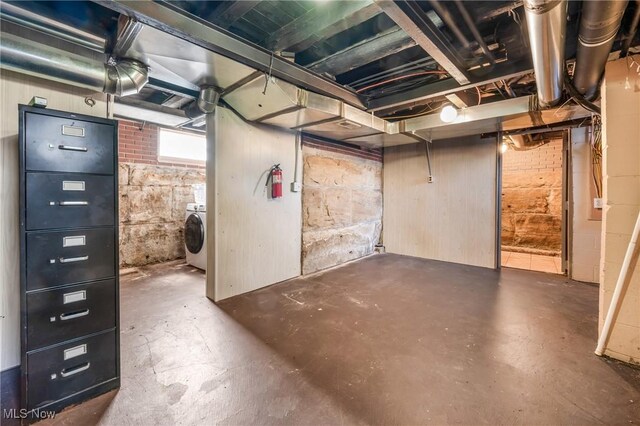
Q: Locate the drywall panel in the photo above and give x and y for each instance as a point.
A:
(452, 219)
(19, 89)
(256, 239)
(585, 247)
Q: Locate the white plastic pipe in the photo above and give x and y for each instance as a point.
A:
(615, 300)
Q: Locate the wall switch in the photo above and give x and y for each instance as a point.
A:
(597, 203)
(296, 187)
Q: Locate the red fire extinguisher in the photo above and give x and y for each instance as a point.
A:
(275, 175)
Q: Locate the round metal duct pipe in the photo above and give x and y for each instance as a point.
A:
(205, 104)
(123, 78)
(599, 25)
(547, 22)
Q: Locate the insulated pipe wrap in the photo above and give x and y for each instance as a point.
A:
(599, 25)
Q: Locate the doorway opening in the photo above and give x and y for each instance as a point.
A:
(533, 194)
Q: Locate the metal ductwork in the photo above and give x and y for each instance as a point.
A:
(122, 78)
(599, 25)
(547, 23)
(205, 104)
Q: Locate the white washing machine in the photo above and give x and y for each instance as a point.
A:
(195, 241)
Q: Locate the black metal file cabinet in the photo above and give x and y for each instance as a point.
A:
(68, 257)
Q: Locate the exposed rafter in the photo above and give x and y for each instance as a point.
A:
(320, 23)
(444, 87)
(409, 16)
(230, 11)
(369, 50)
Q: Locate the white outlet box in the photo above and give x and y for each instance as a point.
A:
(296, 187)
(598, 203)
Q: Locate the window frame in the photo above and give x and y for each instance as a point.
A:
(178, 160)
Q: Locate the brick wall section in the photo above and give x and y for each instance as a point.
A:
(138, 143)
(153, 198)
(532, 199)
(341, 203)
(547, 158)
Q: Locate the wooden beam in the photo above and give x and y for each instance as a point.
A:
(321, 22)
(230, 11)
(409, 16)
(364, 52)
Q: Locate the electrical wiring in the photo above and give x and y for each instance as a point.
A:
(402, 77)
(419, 114)
(573, 92)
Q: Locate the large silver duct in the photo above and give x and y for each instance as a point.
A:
(599, 25)
(125, 77)
(547, 22)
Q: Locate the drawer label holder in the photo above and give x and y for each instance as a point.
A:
(75, 351)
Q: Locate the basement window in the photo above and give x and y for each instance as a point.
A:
(181, 147)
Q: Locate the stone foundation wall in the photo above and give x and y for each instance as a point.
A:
(153, 200)
(532, 200)
(153, 197)
(341, 204)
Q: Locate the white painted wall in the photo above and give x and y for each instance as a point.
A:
(257, 240)
(585, 252)
(621, 160)
(452, 219)
(19, 89)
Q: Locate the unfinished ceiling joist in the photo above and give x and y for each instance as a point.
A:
(422, 93)
(409, 16)
(367, 51)
(313, 26)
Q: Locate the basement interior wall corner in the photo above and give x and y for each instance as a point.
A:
(452, 219)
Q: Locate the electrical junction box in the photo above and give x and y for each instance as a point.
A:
(296, 187)
(598, 203)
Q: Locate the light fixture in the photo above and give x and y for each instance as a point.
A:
(504, 147)
(448, 114)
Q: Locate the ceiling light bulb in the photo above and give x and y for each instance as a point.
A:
(448, 114)
(504, 147)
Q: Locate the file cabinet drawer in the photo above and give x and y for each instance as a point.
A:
(63, 370)
(69, 257)
(59, 144)
(63, 200)
(54, 316)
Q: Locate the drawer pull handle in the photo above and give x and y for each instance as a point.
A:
(73, 148)
(73, 259)
(74, 203)
(79, 369)
(74, 315)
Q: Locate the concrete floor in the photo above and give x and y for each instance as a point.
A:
(386, 340)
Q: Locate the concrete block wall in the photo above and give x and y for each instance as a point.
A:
(532, 199)
(153, 197)
(341, 203)
(621, 170)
